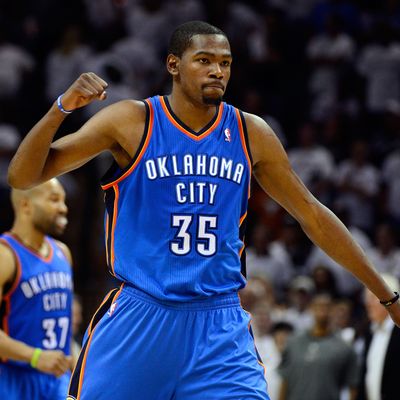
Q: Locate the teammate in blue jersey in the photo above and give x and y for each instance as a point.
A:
(35, 297)
(175, 212)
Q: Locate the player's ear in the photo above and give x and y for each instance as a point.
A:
(173, 64)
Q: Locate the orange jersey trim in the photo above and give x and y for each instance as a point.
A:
(142, 151)
(107, 226)
(185, 131)
(240, 224)
(243, 140)
(91, 332)
(7, 296)
(254, 342)
(114, 222)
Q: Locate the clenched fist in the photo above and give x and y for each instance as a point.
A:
(84, 90)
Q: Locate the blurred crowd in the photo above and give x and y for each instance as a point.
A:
(325, 74)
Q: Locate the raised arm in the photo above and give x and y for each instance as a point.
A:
(275, 175)
(38, 158)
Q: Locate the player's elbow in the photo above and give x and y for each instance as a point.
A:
(17, 180)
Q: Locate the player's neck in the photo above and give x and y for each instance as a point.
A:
(194, 114)
(29, 236)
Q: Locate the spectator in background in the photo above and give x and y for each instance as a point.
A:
(379, 64)
(291, 247)
(313, 163)
(16, 63)
(385, 255)
(324, 280)
(317, 364)
(346, 283)
(9, 141)
(329, 53)
(65, 62)
(379, 377)
(358, 183)
(145, 19)
(297, 310)
(259, 261)
(391, 178)
(341, 319)
(270, 347)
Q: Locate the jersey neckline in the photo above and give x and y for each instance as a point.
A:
(178, 123)
(31, 250)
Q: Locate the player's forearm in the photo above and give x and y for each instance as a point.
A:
(329, 233)
(26, 167)
(14, 349)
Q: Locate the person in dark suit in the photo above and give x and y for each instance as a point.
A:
(380, 376)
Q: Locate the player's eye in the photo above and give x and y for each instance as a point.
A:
(203, 60)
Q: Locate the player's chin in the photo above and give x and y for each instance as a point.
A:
(212, 100)
(56, 231)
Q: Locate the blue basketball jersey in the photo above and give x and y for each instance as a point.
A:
(175, 216)
(36, 309)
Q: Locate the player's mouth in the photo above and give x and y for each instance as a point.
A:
(215, 86)
(61, 221)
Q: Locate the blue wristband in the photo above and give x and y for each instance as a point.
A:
(60, 107)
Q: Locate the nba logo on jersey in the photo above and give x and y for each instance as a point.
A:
(112, 309)
(227, 133)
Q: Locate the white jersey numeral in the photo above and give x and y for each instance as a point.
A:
(51, 342)
(205, 241)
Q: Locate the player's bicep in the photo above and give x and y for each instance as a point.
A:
(117, 128)
(75, 149)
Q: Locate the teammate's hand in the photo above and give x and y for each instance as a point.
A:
(53, 362)
(87, 88)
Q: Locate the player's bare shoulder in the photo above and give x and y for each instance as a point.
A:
(264, 144)
(7, 263)
(65, 250)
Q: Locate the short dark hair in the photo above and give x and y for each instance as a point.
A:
(182, 35)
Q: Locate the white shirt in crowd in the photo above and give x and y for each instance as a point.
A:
(380, 66)
(376, 358)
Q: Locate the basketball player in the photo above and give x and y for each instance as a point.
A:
(176, 203)
(35, 297)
